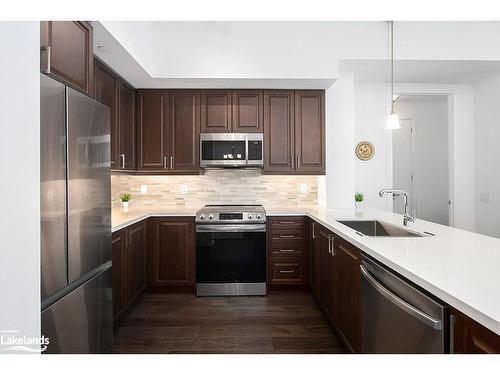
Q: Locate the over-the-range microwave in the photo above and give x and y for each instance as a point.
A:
(226, 150)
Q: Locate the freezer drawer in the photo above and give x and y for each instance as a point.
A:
(398, 318)
(82, 321)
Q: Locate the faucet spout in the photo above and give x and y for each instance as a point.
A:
(397, 193)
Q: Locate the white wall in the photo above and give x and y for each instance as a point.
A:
(20, 181)
(429, 117)
(339, 143)
(371, 107)
(487, 157)
(370, 112)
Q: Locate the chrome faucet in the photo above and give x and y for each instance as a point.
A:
(398, 193)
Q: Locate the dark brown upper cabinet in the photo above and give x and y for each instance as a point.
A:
(152, 130)
(66, 53)
(310, 132)
(294, 132)
(106, 91)
(247, 111)
(113, 92)
(168, 131)
(126, 127)
(216, 111)
(184, 134)
(278, 132)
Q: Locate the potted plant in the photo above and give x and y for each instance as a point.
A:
(358, 202)
(125, 198)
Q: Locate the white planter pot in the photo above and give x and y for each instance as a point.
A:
(358, 207)
(125, 206)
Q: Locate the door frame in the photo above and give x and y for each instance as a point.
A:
(450, 98)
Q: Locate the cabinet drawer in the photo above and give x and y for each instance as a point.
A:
(289, 235)
(288, 222)
(286, 249)
(287, 271)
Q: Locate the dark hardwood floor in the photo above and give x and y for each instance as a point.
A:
(281, 322)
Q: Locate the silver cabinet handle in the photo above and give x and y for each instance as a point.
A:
(123, 160)
(313, 230)
(452, 334)
(171, 162)
(286, 236)
(286, 250)
(165, 162)
(48, 50)
(298, 162)
(334, 252)
(403, 305)
(286, 271)
(286, 222)
(329, 244)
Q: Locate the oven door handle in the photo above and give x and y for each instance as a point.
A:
(403, 305)
(231, 228)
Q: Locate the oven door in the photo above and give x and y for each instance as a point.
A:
(233, 253)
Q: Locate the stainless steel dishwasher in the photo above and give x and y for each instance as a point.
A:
(397, 317)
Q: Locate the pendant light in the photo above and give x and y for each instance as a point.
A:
(392, 119)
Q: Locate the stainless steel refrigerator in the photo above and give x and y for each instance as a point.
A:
(76, 280)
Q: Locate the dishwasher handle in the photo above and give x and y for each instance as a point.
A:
(403, 305)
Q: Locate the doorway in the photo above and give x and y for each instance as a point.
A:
(421, 163)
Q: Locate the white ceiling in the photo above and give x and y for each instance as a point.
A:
(423, 71)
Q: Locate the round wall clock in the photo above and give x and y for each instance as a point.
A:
(365, 150)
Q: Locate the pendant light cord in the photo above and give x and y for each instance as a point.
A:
(392, 66)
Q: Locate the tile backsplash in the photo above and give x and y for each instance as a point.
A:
(225, 186)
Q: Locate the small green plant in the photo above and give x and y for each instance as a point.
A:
(359, 197)
(125, 197)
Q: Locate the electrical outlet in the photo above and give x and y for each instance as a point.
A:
(184, 189)
(484, 196)
(144, 189)
(303, 188)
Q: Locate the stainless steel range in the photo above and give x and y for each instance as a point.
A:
(231, 250)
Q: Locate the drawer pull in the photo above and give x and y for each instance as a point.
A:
(287, 250)
(286, 236)
(286, 222)
(286, 271)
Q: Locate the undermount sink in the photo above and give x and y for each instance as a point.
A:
(376, 228)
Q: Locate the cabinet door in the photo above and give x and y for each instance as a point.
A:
(248, 111)
(67, 52)
(310, 132)
(136, 260)
(184, 132)
(472, 337)
(215, 111)
(173, 252)
(127, 127)
(349, 294)
(106, 90)
(278, 132)
(326, 273)
(118, 248)
(314, 259)
(152, 129)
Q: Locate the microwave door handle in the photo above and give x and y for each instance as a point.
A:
(403, 305)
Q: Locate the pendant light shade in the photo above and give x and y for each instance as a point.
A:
(392, 119)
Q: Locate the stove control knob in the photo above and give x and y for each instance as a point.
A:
(202, 217)
(250, 216)
(258, 216)
(210, 217)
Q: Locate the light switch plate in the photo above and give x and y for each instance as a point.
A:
(184, 189)
(144, 189)
(303, 188)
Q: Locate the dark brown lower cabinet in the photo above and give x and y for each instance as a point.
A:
(348, 280)
(327, 272)
(314, 258)
(173, 252)
(470, 337)
(128, 247)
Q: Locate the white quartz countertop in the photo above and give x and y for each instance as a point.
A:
(459, 267)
